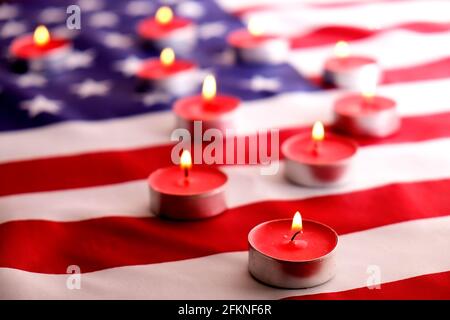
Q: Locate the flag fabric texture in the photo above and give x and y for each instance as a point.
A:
(77, 145)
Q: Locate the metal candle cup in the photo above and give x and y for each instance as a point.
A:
(178, 77)
(349, 72)
(323, 163)
(253, 47)
(302, 263)
(26, 54)
(366, 116)
(164, 30)
(185, 194)
(213, 111)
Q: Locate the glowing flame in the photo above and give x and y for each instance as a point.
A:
(255, 28)
(209, 87)
(41, 36)
(167, 57)
(318, 132)
(342, 49)
(369, 90)
(297, 224)
(185, 160)
(164, 15)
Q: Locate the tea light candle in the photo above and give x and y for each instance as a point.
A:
(320, 161)
(214, 111)
(253, 46)
(348, 71)
(39, 51)
(292, 254)
(367, 114)
(187, 193)
(166, 30)
(168, 74)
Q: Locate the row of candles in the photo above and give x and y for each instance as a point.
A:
(283, 253)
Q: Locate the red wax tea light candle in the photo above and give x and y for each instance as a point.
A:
(165, 30)
(348, 71)
(39, 51)
(292, 254)
(168, 74)
(214, 111)
(318, 161)
(253, 46)
(186, 192)
(366, 114)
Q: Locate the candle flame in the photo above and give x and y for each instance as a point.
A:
(209, 87)
(167, 57)
(297, 224)
(368, 91)
(185, 160)
(164, 15)
(342, 49)
(318, 132)
(41, 36)
(255, 28)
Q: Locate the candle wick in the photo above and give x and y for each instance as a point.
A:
(186, 174)
(316, 148)
(295, 234)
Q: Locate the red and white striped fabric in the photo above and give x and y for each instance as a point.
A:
(92, 208)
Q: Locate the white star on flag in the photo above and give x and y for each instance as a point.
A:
(129, 66)
(150, 99)
(103, 20)
(90, 5)
(211, 30)
(31, 80)
(40, 104)
(79, 59)
(8, 11)
(52, 15)
(190, 9)
(139, 8)
(260, 83)
(117, 40)
(90, 87)
(12, 29)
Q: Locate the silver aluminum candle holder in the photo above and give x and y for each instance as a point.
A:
(317, 174)
(186, 207)
(182, 40)
(354, 77)
(272, 51)
(52, 61)
(291, 274)
(178, 84)
(376, 123)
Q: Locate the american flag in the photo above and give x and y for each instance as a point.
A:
(77, 146)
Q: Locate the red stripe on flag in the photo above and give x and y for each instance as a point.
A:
(93, 169)
(49, 247)
(428, 287)
(329, 35)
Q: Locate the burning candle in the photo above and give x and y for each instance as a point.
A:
(187, 192)
(165, 30)
(349, 71)
(367, 114)
(214, 111)
(253, 45)
(318, 161)
(292, 254)
(168, 74)
(39, 51)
